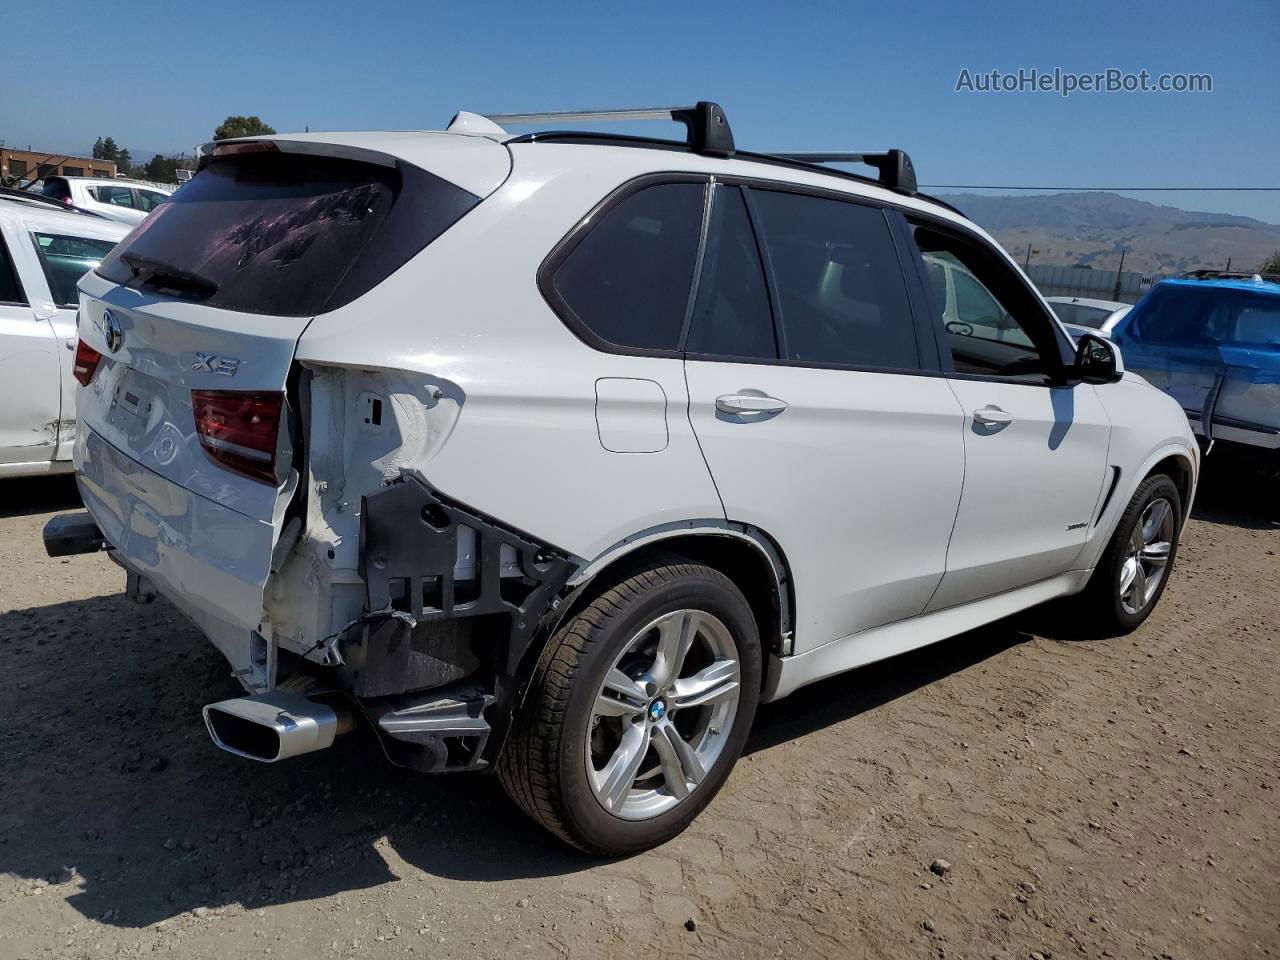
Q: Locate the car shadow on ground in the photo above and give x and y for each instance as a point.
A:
(28, 495)
(1237, 494)
(114, 795)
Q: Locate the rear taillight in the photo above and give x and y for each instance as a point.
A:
(86, 363)
(240, 430)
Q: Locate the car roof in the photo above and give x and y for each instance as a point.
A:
(1232, 283)
(461, 158)
(1090, 302)
(122, 181)
(46, 217)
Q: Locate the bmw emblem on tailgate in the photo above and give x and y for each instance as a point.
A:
(112, 331)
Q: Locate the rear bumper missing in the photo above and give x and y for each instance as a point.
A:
(439, 672)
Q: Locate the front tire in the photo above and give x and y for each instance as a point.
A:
(641, 707)
(1134, 569)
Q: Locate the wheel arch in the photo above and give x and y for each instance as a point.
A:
(746, 555)
(1176, 461)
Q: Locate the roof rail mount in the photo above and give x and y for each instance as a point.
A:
(707, 127)
(894, 168)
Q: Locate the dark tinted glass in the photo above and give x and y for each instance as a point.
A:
(56, 187)
(732, 316)
(10, 289)
(628, 279)
(840, 285)
(1081, 315)
(286, 234)
(67, 259)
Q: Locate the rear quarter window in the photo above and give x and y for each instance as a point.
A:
(627, 279)
(286, 234)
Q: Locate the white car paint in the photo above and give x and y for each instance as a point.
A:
(899, 519)
(37, 335)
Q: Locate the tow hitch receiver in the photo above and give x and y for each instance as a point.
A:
(70, 533)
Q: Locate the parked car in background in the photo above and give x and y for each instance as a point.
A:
(1084, 315)
(44, 250)
(128, 201)
(556, 454)
(1213, 344)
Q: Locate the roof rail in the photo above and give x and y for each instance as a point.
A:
(894, 167)
(12, 193)
(1255, 275)
(708, 128)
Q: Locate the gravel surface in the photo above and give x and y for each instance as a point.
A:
(1011, 793)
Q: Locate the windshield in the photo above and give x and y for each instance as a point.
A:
(1208, 316)
(286, 234)
(1081, 315)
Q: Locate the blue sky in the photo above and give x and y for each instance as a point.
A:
(798, 75)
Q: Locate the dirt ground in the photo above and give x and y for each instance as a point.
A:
(1093, 799)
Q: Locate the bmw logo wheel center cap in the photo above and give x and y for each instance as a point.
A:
(657, 710)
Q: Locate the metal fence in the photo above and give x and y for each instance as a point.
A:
(1096, 284)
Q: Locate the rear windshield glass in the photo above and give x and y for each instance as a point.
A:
(286, 234)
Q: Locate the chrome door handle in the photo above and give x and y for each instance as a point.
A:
(745, 404)
(992, 416)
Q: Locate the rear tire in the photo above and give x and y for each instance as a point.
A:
(641, 705)
(1134, 570)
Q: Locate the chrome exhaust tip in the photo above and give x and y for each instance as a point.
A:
(274, 726)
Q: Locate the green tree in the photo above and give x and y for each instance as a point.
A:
(124, 163)
(242, 127)
(105, 149)
(161, 169)
(1271, 264)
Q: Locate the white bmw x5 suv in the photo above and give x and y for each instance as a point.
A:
(556, 454)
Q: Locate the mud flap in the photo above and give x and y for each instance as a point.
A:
(479, 627)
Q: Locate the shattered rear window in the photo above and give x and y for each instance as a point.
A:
(286, 234)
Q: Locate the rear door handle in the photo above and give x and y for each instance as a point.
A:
(745, 404)
(992, 416)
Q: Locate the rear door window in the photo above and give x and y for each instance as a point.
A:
(839, 282)
(65, 260)
(286, 234)
(627, 279)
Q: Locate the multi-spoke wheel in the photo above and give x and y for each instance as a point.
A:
(645, 700)
(663, 714)
(1134, 570)
(1147, 558)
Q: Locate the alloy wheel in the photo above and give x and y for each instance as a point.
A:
(1147, 556)
(663, 714)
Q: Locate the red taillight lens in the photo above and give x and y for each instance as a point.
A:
(240, 429)
(86, 363)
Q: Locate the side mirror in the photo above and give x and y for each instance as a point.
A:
(1097, 360)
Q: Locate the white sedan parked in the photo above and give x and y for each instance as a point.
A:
(127, 201)
(43, 252)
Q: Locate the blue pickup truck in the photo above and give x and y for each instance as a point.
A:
(1212, 342)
